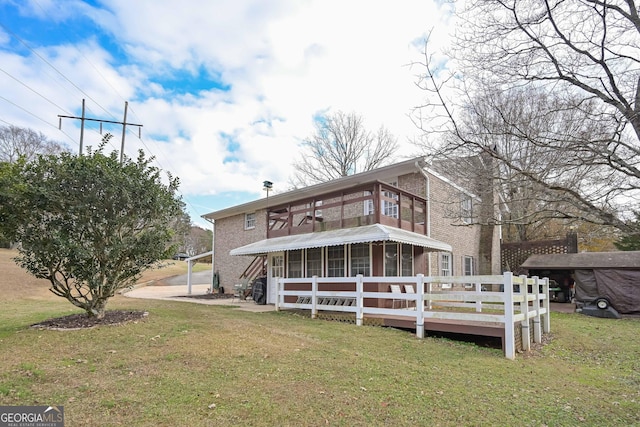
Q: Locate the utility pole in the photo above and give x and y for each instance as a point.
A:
(101, 121)
(124, 130)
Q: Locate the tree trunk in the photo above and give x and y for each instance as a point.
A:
(97, 309)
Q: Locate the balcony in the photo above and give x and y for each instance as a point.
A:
(366, 204)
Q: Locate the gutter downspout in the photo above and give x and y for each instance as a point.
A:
(428, 197)
(213, 250)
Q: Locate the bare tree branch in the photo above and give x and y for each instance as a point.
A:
(550, 90)
(16, 142)
(341, 146)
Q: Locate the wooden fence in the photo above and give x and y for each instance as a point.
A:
(517, 299)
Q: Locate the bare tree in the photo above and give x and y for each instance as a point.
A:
(520, 129)
(199, 240)
(16, 142)
(341, 146)
(582, 58)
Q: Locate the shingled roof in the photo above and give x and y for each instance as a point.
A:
(585, 260)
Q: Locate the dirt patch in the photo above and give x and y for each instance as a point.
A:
(82, 321)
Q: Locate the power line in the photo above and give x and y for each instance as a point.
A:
(105, 80)
(123, 123)
(25, 44)
(32, 90)
(33, 115)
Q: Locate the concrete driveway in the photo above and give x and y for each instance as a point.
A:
(199, 278)
(175, 289)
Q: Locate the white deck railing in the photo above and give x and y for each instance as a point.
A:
(514, 303)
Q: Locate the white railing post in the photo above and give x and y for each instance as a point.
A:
(524, 309)
(189, 277)
(279, 287)
(537, 333)
(546, 326)
(509, 331)
(429, 306)
(478, 287)
(314, 297)
(420, 306)
(359, 300)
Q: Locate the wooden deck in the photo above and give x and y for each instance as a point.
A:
(507, 314)
(466, 327)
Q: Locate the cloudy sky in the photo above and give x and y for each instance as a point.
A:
(226, 90)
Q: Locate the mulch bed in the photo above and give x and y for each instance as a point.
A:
(209, 296)
(82, 321)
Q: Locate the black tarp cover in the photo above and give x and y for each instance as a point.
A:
(621, 287)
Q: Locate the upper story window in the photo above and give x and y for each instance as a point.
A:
(466, 210)
(368, 204)
(249, 220)
(317, 212)
(390, 208)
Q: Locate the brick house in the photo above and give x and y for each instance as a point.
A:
(398, 220)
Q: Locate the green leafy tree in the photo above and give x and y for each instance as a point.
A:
(88, 224)
(630, 241)
(8, 181)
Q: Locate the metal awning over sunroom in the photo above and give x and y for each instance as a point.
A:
(364, 234)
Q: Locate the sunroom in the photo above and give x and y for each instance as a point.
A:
(372, 250)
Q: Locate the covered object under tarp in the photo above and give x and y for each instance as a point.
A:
(611, 275)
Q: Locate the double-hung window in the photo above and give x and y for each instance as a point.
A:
(467, 269)
(249, 220)
(466, 210)
(468, 265)
(446, 267)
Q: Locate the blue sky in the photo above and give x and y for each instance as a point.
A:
(226, 90)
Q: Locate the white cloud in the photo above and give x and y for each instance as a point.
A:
(283, 61)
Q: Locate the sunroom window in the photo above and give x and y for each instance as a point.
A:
(360, 262)
(294, 264)
(335, 261)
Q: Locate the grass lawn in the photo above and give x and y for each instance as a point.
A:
(199, 365)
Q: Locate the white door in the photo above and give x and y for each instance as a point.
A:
(275, 271)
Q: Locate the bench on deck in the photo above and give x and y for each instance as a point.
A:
(336, 301)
